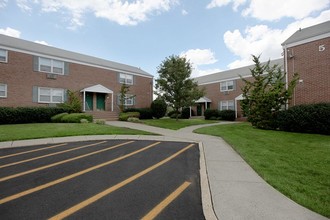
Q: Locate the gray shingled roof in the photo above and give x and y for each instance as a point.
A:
(309, 32)
(233, 73)
(36, 48)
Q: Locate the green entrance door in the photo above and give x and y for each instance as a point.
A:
(100, 101)
(89, 101)
(199, 110)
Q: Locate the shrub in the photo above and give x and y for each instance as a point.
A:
(227, 115)
(23, 115)
(125, 115)
(132, 119)
(58, 118)
(76, 118)
(83, 121)
(73, 104)
(185, 114)
(211, 113)
(313, 118)
(158, 108)
(100, 122)
(145, 113)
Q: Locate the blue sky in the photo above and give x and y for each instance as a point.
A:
(214, 35)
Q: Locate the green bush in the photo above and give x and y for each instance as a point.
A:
(58, 118)
(23, 115)
(76, 118)
(211, 114)
(313, 118)
(227, 115)
(185, 114)
(125, 115)
(145, 113)
(158, 108)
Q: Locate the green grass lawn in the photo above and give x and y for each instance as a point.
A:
(170, 123)
(44, 130)
(298, 165)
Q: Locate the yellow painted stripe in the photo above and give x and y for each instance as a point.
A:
(100, 195)
(161, 206)
(60, 162)
(30, 151)
(49, 155)
(44, 186)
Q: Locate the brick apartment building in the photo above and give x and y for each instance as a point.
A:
(32, 74)
(306, 52)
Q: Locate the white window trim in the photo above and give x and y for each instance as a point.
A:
(6, 56)
(226, 104)
(226, 82)
(51, 95)
(5, 86)
(125, 78)
(51, 66)
(128, 97)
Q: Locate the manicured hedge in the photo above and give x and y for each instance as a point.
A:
(158, 108)
(23, 115)
(145, 113)
(214, 114)
(314, 118)
(76, 118)
(124, 116)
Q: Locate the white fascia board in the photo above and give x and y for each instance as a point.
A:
(308, 40)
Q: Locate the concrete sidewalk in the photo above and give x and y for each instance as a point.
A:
(237, 191)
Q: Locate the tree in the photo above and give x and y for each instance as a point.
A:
(73, 104)
(266, 94)
(174, 84)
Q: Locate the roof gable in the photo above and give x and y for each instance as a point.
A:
(307, 33)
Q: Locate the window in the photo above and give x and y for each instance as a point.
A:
(129, 100)
(227, 105)
(50, 95)
(3, 56)
(51, 66)
(227, 86)
(126, 78)
(3, 90)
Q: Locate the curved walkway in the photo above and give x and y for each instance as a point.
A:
(237, 191)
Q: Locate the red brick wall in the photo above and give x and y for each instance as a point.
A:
(313, 67)
(19, 76)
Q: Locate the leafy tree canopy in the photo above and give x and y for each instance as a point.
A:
(174, 84)
(266, 94)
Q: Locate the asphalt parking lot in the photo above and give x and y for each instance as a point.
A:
(112, 179)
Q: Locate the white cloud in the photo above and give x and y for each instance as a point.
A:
(42, 42)
(261, 39)
(24, 5)
(199, 57)
(10, 32)
(3, 3)
(274, 10)
(120, 11)
(184, 12)
(220, 3)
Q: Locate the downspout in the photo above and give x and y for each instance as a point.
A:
(112, 102)
(84, 99)
(286, 71)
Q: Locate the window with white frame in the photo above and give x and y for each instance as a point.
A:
(126, 78)
(50, 95)
(227, 105)
(227, 86)
(3, 90)
(3, 56)
(129, 100)
(51, 66)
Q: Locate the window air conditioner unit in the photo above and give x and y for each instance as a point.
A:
(226, 92)
(51, 76)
